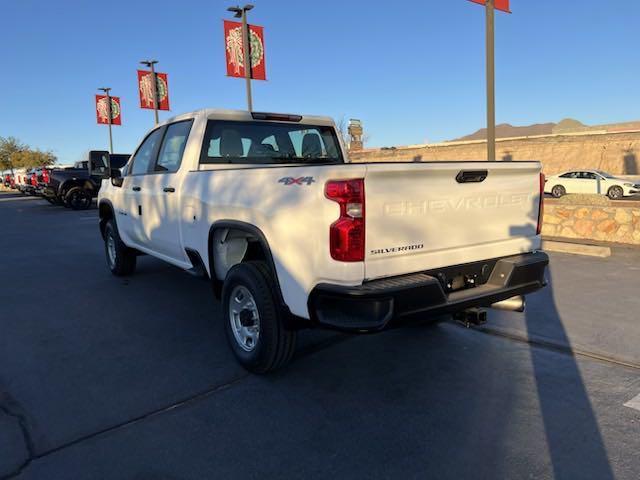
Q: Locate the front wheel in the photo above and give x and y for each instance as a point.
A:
(615, 193)
(120, 258)
(78, 198)
(254, 319)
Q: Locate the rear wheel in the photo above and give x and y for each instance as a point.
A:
(254, 319)
(558, 191)
(615, 193)
(120, 258)
(78, 198)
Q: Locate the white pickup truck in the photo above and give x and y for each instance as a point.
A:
(291, 234)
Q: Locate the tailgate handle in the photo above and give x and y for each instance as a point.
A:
(471, 176)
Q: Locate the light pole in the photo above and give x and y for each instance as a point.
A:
(246, 47)
(491, 87)
(106, 91)
(154, 78)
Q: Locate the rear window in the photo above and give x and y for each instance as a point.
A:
(269, 143)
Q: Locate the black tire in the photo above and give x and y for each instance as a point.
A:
(558, 191)
(78, 198)
(615, 193)
(122, 259)
(275, 344)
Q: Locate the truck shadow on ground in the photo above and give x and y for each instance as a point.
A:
(574, 439)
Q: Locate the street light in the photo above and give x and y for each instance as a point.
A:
(238, 11)
(154, 78)
(106, 91)
(241, 12)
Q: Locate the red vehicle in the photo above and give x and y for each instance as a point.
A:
(28, 182)
(43, 179)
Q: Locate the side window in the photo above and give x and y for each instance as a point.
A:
(175, 140)
(307, 143)
(569, 175)
(589, 176)
(144, 156)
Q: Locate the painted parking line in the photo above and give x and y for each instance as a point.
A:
(12, 199)
(634, 403)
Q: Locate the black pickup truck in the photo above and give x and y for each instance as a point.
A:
(75, 187)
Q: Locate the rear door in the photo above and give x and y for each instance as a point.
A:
(590, 183)
(427, 215)
(570, 182)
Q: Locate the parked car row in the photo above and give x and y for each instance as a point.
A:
(71, 186)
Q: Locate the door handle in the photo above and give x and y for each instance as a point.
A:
(169, 189)
(471, 176)
(136, 189)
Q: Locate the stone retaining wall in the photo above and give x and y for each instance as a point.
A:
(605, 224)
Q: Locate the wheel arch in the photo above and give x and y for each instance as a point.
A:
(253, 233)
(105, 213)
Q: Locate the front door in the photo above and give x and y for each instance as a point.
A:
(162, 219)
(137, 189)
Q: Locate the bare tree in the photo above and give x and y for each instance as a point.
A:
(342, 126)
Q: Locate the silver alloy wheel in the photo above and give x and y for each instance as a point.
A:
(615, 192)
(557, 191)
(111, 250)
(244, 318)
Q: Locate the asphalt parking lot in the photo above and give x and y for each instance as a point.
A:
(111, 378)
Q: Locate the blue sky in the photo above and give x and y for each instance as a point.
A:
(412, 73)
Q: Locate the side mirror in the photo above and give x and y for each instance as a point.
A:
(116, 177)
(99, 164)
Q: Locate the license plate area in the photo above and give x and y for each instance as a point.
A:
(463, 277)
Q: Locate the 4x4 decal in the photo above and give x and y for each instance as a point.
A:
(296, 181)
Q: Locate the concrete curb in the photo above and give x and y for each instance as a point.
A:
(576, 249)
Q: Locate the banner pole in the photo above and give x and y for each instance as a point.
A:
(246, 46)
(110, 119)
(491, 92)
(154, 77)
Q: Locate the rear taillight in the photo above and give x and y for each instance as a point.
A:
(541, 204)
(45, 176)
(346, 235)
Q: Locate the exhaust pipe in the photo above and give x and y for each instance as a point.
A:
(513, 304)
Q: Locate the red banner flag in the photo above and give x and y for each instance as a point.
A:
(235, 52)
(502, 5)
(145, 88)
(102, 110)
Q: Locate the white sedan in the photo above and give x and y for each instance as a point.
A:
(590, 181)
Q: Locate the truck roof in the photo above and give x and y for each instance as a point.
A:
(245, 115)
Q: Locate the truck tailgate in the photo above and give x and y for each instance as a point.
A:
(422, 216)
